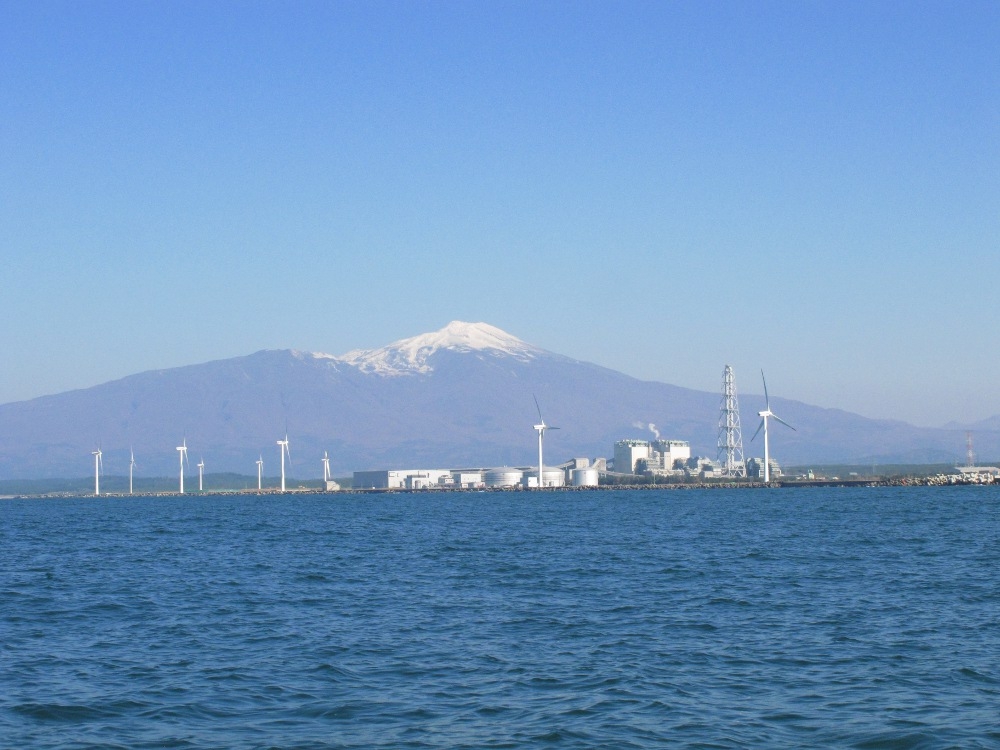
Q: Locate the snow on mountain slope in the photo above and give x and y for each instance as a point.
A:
(410, 356)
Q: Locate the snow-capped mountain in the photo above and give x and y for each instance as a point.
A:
(461, 396)
(413, 355)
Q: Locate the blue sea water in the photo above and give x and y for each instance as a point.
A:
(861, 618)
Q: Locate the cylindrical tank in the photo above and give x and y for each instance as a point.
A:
(503, 476)
(551, 477)
(585, 477)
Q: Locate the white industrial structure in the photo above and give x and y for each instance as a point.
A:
(201, 473)
(588, 476)
(763, 426)
(666, 457)
(401, 479)
(755, 469)
(503, 476)
(730, 454)
(467, 479)
(578, 472)
(131, 466)
(552, 476)
(628, 453)
(658, 457)
(260, 469)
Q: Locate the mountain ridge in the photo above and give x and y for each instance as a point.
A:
(460, 396)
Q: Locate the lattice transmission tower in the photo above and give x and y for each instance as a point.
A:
(730, 454)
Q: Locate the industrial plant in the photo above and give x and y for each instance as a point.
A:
(659, 459)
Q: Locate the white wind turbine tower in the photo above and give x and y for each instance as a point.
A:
(98, 466)
(260, 468)
(763, 424)
(326, 468)
(182, 452)
(541, 427)
(201, 471)
(131, 466)
(283, 450)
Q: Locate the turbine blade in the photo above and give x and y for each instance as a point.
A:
(775, 416)
(767, 401)
(538, 408)
(761, 425)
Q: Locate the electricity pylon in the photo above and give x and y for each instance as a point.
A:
(730, 454)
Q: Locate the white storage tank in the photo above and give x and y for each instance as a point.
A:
(503, 476)
(587, 477)
(551, 477)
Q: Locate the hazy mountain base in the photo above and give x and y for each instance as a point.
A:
(228, 482)
(462, 408)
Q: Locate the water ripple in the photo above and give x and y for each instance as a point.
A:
(859, 618)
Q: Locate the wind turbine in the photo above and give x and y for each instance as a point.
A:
(182, 452)
(326, 467)
(541, 427)
(131, 465)
(201, 469)
(283, 450)
(260, 468)
(98, 466)
(763, 424)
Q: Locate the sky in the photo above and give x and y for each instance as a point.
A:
(811, 189)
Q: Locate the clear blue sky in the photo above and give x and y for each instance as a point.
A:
(812, 188)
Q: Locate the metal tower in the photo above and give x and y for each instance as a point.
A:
(970, 457)
(730, 453)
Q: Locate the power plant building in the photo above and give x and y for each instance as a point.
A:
(755, 468)
(628, 453)
(657, 457)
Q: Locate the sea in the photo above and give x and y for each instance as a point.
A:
(862, 617)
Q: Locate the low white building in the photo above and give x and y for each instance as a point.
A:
(467, 479)
(399, 479)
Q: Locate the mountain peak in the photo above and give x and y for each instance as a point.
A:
(409, 356)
